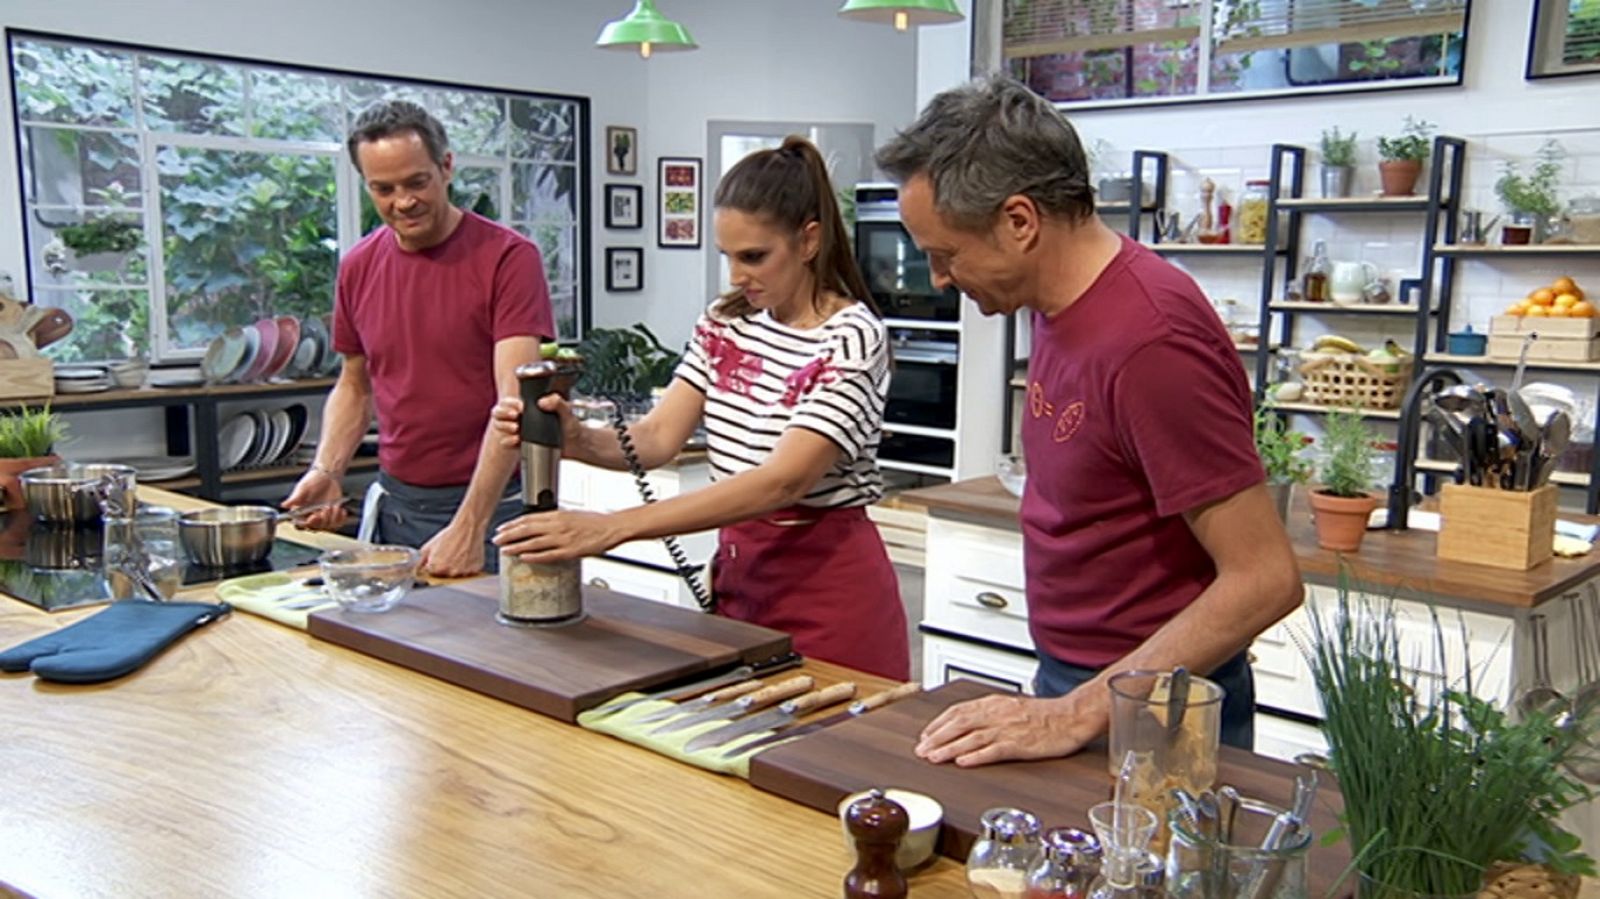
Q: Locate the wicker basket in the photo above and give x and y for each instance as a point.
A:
(1347, 380)
(1508, 880)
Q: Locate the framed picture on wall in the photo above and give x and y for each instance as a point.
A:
(622, 150)
(678, 193)
(1565, 38)
(623, 202)
(624, 268)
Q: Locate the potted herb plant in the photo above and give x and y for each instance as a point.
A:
(1341, 501)
(1400, 158)
(27, 440)
(625, 365)
(1530, 200)
(100, 243)
(1281, 452)
(1442, 791)
(1338, 162)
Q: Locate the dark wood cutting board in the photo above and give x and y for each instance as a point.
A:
(625, 643)
(875, 750)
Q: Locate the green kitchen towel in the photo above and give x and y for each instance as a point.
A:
(623, 725)
(274, 595)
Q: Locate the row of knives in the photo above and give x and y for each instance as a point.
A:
(750, 705)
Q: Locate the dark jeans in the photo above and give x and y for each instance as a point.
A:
(1057, 678)
(409, 515)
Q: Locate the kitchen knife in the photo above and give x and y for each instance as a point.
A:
(694, 688)
(857, 709)
(785, 713)
(692, 706)
(761, 698)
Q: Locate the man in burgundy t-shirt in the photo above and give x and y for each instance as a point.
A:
(1149, 539)
(433, 313)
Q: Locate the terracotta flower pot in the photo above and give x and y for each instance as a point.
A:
(1399, 176)
(1341, 521)
(10, 486)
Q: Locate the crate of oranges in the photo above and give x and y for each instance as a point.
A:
(1559, 314)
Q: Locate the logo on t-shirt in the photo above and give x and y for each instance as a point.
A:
(1067, 423)
(735, 369)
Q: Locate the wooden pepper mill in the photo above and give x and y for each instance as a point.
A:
(877, 824)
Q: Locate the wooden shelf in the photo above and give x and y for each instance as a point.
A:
(1533, 251)
(1343, 309)
(1486, 362)
(1373, 203)
(1210, 249)
(1318, 409)
(276, 473)
(171, 396)
(1124, 206)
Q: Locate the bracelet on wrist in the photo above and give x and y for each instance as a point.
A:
(317, 466)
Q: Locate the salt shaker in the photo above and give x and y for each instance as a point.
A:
(877, 824)
(1008, 846)
(1070, 861)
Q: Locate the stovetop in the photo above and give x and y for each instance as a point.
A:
(59, 568)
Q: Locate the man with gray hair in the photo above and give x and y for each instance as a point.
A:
(1149, 538)
(433, 314)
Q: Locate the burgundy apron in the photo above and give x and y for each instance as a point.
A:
(823, 577)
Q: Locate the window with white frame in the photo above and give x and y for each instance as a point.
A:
(1099, 52)
(169, 196)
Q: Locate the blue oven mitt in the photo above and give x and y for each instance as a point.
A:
(110, 643)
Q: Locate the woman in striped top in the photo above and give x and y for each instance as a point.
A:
(789, 370)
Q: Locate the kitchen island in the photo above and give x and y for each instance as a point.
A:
(251, 759)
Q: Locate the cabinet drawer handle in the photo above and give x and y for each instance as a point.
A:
(599, 582)
(991, 600)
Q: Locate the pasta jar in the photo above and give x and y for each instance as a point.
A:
(1251, 216)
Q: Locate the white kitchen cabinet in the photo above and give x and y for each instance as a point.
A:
(641, 568)
(974, 584)
(945, 659)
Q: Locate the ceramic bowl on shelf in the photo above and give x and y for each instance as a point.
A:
(1012, 472)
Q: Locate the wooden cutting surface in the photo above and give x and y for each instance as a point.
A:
(623, 643)
(1402, 563)
(875, 750)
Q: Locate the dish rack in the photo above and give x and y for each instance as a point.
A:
(1348, 380)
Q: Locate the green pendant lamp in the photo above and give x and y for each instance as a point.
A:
(903, 13)
(646, 29)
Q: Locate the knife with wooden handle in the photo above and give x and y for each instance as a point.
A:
(856, 709)
(733, 691)
(786, 713)
(760, 699)
(684, 691)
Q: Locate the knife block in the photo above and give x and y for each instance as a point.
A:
(27, 379)
(1502, 528)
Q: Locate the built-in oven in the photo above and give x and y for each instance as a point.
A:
(897, 272)
(919, 418)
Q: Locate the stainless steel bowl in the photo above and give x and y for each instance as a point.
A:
(64, 493)
(229, 536)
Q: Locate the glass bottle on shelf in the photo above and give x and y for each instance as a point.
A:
(1008, 846)
(1253, 208)
(1315, 284)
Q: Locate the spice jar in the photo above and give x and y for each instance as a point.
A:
(1583, 219)
(1007, 848)
(1070, 861)
(1252, 213)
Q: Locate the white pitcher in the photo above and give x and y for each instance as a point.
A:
(1349, 279)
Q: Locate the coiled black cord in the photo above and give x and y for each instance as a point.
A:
(688, 572)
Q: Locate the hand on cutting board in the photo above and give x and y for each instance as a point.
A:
(543, 537)
(1005, 728)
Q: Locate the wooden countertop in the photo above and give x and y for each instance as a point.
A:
(1399, 562)
(251, 759)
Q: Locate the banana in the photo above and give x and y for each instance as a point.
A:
(1395, 349)
(1333, 343)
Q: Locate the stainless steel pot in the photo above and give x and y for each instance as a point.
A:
(229, 536)
(66, 494)
(62, 547)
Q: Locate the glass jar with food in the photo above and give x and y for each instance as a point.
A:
(1008, 847)
(1251, 227)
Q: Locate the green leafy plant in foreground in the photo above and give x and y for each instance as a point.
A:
(30, 433)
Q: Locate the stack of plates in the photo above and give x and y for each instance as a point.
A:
(154, 468)
(82, 378)
(175, 377)
(273, 348)
(262, 437)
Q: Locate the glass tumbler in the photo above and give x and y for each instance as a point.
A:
(1205, 867)
(144, 546)
(1171, 746)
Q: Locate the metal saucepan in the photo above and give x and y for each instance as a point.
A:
(232, 536)
(68, 493)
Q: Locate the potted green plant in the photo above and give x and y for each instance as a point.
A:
(625, 365)
(1530, 200)
(27, 440)
(1440, 787)
(1400, 158)
(1338, 162)
(1341, 501)
(1282, 455)
(99, 243)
